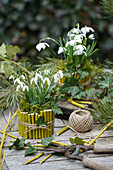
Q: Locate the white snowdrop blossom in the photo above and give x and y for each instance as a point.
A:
(22, 84)
(46, 80)
(79, 50)
(41, 46)
(25, 88)
(56, 78)
(11, 77)
(91, 37)
(85, 29)
(60, 73)
(23, 77)
(18, 88)
(34, 79)
(47, 71)
(17, 80)
(61, 50)
(38, 76)
(78, 38)
(71, 43)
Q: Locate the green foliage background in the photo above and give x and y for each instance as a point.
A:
(25, 22)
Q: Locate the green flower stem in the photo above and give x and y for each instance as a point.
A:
(48, 38)
(15, 64)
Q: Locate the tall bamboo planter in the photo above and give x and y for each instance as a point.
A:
(27, 124)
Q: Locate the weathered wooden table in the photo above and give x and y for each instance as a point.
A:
(15, 160)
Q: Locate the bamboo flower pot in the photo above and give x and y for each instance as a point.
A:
(27, 124)
(85, 82)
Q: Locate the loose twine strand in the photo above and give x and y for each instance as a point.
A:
(34, 126)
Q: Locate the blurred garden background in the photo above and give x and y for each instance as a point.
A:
(25, 22)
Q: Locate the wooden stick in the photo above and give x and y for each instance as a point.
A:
(62, 130)
(3, 138)
(36, 157)
(9, 135)
(46, 158)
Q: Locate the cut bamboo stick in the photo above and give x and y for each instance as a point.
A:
(62, 130)
(50, 119)
(36, 118)
(46, 158)
(39, 130)
(45, 119)
(9, 135)
(42, 130)
(47, 116)
(30, 122)
(33, 122)
(36, 157)
(25, 120)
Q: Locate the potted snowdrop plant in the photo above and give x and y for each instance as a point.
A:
(37, 107)
(76, 50)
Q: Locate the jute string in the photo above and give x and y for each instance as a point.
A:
(81, 120)
(34, 126)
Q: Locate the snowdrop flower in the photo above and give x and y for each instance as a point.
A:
(73, 31)
(41, 46)
(17, 80)
(56, 78)
(34, 79)
(46, 80)
(71, 43)
(18, 88)
(11, 77)
(46, 72)
(23, 77)
(38, 76)
(80, 50)
(80, 47)
(22, 84)
(61, 50)
(60, 73)
(25, 88)
(91, 37)
(78, 38)
(85, 29)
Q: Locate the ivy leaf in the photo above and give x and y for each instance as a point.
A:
(3, 50)
(47, 141)
(19, 143)
(8, 68)
(67, 88)
(106, 83)
(12, 51)
(82, 74)
(30, 150)
(72, 140)
(57, 110)
(79, 141)
(40, 121)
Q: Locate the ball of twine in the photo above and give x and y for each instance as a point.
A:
(81, 120)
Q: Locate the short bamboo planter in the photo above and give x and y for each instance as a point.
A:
(85, 82)
(27, 124)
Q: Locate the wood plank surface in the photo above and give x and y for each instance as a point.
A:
(14, 159)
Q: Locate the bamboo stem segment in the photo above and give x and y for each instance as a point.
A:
(62, 130)
(36, 157)
(46, 158)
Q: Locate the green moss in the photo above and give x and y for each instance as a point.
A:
(30, 108)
